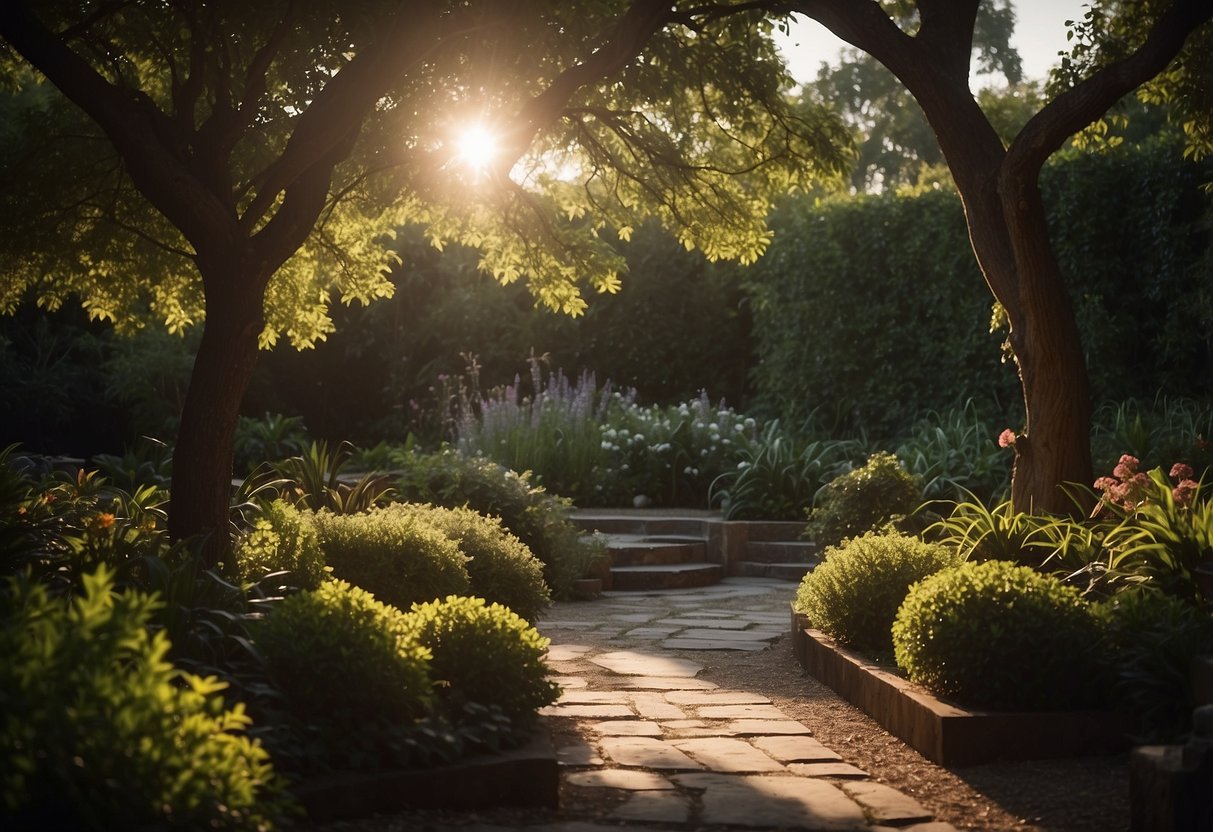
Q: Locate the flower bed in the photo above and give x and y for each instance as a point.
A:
(947, 734)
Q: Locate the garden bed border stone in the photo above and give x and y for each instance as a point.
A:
(945, 733)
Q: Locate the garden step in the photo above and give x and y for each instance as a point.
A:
(665, 576)
(692, 524)
(641, 551)
(781, 551)
(779, 571)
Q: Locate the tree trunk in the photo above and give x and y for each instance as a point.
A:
(223, 369)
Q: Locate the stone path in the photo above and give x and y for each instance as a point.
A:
(677, 751)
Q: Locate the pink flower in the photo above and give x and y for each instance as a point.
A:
(1106, 484)
(1126, 468)
(1180, 471)
(1184, 492)
(1006, 439)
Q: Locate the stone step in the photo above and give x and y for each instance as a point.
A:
(665, 576)
(781, 551)
(629, 551)
(780, 571)
(637, 524)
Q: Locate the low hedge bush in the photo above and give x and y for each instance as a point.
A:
(999, 635)
(539, 519)
(98, 730)
(484, 654)
(500, 567)
(399, 558)
(282, 539)
(344, 661)
(854, 595)
(863, 499)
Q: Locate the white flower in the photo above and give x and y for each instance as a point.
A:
(688, 470)
(741, 466)
(739, 427)
(749, 423)
(713, 426)
(609, 433)
(625, 467)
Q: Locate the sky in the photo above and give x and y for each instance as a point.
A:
(1040, 33)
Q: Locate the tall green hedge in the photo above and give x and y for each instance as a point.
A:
(869, 310)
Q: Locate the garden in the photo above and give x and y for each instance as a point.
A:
(298, 414)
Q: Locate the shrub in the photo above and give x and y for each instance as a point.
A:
(540, 520)
(500, 567)
(283, 539)
(98, 730)
(998, 635)
(484, 654)
(1152, 639)
(853, 596)
(401, 559)
(864, 499)
(344, 661)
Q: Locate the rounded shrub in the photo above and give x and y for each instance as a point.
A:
(282, 539)
(399, 558)
(98, 730)
(854, 595)
(500, 567)
(485, 654)
(863, 499)
(998, 635)
(344, 660)
(539, 519)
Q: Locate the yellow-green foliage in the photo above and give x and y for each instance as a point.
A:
(99, 731)
(283, 539)
(500, 566)
(483, 653)
(399, 558)
(998, 635)
(854, 594)
(345, 661)
(863, 499)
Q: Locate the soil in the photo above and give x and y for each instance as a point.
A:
(1075, 795)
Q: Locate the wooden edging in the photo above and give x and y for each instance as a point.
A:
(944, 733)
(526, 777)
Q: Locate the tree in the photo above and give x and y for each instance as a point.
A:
(233, 164)
(1120, 47)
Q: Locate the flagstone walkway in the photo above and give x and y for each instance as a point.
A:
(677, 751)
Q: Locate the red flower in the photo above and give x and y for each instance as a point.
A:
(1006, 439)
(1184, 492)
(1180, 471)
(1126, 468)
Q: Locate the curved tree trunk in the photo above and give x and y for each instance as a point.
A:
(223, 369)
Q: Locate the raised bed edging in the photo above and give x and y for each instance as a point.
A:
(944, 733)
(528, 777)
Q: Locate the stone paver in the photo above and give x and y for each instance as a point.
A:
(587, 711)
(635, 663)
(728, 755)
(716, 697)
(655, 807)
(627, 728)
(796, 749)
(705, 623)
(654, 706)
(740, 712)
(774, 801)
(723, 635)
(713, 644)
(884, 804)
(643, 752)
(659, 683)
(620, 778)
(592, 697)
(762, 727)
(838, 769)
(567, 652)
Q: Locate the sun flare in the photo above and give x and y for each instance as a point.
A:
(476, 148)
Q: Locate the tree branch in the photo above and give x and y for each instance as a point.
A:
(1088, 100)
